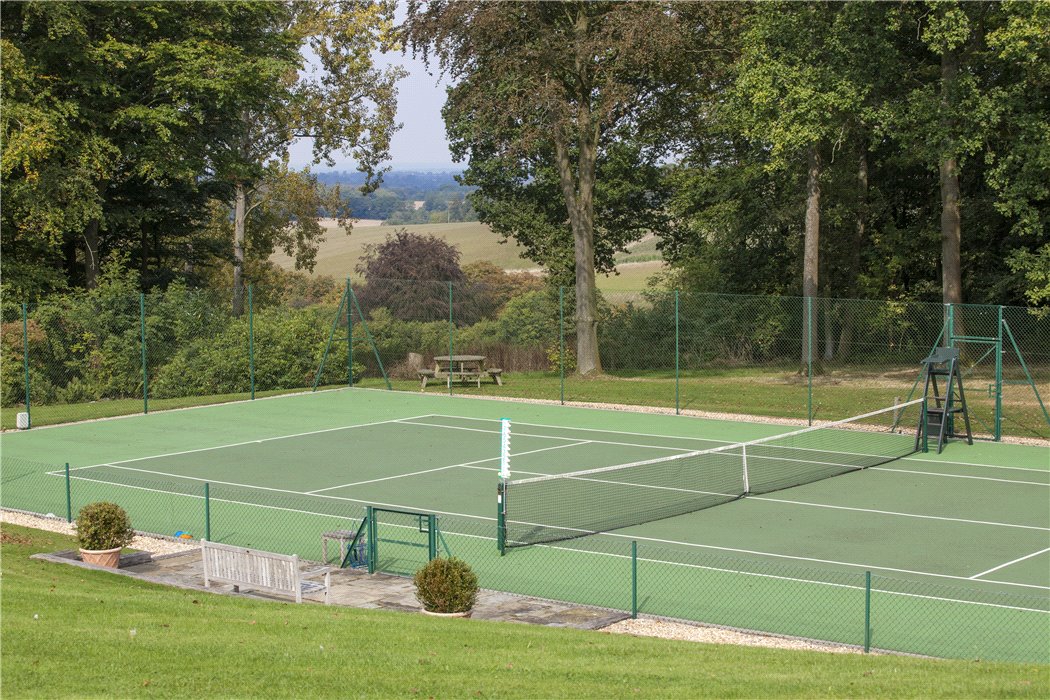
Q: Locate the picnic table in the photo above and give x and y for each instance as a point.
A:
(460, 368)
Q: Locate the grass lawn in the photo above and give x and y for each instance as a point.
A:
(68, 632)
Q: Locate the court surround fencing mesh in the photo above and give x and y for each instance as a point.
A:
(113, 351)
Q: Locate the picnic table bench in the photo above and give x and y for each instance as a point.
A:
(460, 368)
(265, 571)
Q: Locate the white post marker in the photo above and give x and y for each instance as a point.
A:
(504, 449)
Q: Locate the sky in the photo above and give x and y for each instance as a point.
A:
(420, 144)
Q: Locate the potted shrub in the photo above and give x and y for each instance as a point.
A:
(447, 587)
(103, 529)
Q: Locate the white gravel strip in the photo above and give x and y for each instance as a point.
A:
(717, 635)
(156, 545)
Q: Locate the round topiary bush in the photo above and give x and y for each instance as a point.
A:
(103, 525)
(446, 586)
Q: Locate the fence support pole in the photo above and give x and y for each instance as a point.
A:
(999, 380)
(142, 335)
(450, 322)
(634, 579)
(371, 544)
(561, 342)
(432, 536)
(25, 362)
(251, 342)
(809, 359)
(349, 339)
(207, 512)
(867, 611)
(69, 497)
(677, 406)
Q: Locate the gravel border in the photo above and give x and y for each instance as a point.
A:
(146, 543)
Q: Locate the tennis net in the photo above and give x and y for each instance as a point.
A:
(576, 504)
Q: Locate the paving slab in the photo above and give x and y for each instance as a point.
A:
(354, 588)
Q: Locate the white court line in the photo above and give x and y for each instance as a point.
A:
(721, 442)
(871, 567)
(252, 442)
(959, 476)
(546, 437)
(905, 515)
(1003, 566)
(438, 469)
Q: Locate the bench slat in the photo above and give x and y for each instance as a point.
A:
(278, 573)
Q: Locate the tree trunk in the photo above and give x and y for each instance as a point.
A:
(91, 264)
(951, 214)
(811, 254)
(578, 191)
(238, 250)
(849, 316)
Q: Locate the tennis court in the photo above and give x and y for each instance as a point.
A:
(947, 554)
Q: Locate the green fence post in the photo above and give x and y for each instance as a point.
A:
(809, 359)
(69, 497)
(371, 544)
(432, 536)
(450, 322)
(999, 381)
(207, 512)
(867, 611)
(251, 341)
(561, 340)
(25, 361)
(677, 407)
(634, 579)
(349, 339)
(142, 335)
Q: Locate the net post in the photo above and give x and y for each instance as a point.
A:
(251, 342)
(561, 341)
(677, 405)
(924, 428)
(634, 579)
(867, 612)
(207, 511)
(501, 488)
(25, 362)
(69, 497)
(142, 341)
(747, 484)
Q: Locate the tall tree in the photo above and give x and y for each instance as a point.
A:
(340, 100)
(541, 91)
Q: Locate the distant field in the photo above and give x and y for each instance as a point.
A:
(339, 254)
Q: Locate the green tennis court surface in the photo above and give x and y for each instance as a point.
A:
(957, 544)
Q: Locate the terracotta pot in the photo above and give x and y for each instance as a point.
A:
(441, 614)
(102, 557)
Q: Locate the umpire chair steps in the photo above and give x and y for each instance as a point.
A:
(941, 409)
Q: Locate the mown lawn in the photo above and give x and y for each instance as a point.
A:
(67, 632)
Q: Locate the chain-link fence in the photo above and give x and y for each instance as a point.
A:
(113, 351)
(842, 606)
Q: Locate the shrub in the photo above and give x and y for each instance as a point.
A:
(446, 586)
(103, 525)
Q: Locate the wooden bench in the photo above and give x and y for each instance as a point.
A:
(496, 375)
(264, 571)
